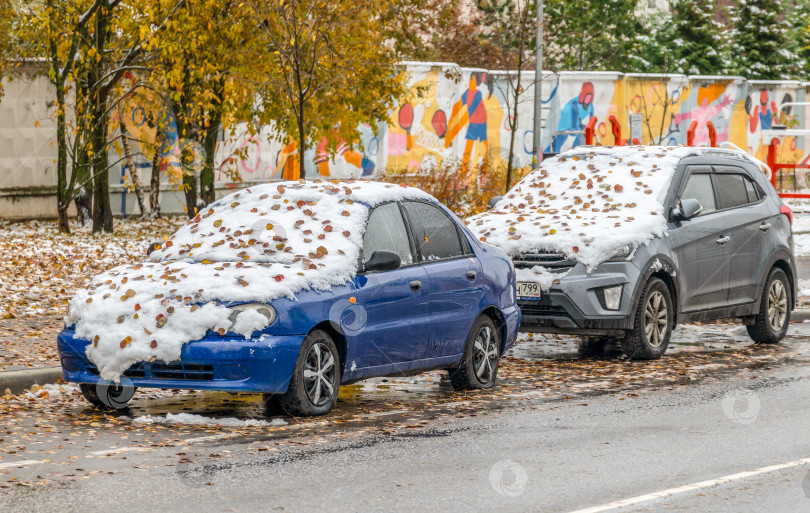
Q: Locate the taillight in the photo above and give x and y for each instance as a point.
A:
(784, 209)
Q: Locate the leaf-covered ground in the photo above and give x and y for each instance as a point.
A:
(40, 270)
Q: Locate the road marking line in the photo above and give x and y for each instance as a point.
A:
(382, 414)
(12, 464)
(119, 451)
(207, 438)
(689, 487)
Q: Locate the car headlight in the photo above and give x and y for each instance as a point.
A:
(266, 310)
(624, 254)
(613, 297)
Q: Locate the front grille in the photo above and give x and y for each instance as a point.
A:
(183, 371)
(162, 370)
(549, 260)
(536, 309)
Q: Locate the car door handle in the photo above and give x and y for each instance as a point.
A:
(723, 239)
(472, 275)
(765, 227)
(416, 285)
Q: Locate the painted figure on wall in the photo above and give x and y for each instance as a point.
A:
(349, 154)
(762, 115)
(704, 113)
(574, 118)
(471, 111)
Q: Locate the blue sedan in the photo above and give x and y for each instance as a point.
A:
(422, 294)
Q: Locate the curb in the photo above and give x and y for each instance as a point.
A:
(20, 380)
(800, 315)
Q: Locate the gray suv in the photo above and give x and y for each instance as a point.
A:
(727, 253)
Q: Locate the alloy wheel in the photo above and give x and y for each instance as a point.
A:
(319, 374)
(655, 319)
(777, 305)
(486, 354)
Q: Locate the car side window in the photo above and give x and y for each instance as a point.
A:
(385, 231)
(699, 186)
(434, 232)
(753, 191)
(733, 190)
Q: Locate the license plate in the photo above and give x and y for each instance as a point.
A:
(528, 290)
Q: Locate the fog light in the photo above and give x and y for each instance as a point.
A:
(613, 296)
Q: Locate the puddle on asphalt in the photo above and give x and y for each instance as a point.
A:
(687, 338)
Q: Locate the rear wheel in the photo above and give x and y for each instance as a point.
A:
(652, 325)
(479, 363)
(111, 396)
(316, 379)
(772, 321)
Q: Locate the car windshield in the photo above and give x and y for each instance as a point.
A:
(588, 204)
(273, 223)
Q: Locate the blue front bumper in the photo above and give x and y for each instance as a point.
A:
(234, 364)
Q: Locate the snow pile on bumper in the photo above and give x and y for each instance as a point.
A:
(588, 204)
(257, 244)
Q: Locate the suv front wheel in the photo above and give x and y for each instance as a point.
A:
(771, 323)
(652, 324)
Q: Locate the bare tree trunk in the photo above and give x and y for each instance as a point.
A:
(133, 171)
(302, 142)
(207, 186)
(62, 194)
(154, 184)
(102, 210)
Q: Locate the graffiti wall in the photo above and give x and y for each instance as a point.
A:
(450, 114)
(469, 116)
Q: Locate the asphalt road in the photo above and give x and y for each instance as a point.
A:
(587, 453)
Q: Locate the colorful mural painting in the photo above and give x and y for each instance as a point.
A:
(461, 114)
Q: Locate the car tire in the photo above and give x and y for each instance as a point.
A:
(108, 395)
(479, 362)
(272, 405)
(649, 340)
(772, 321)
(316, 378)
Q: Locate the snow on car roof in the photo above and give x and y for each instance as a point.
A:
(257, 244)
(589, 204)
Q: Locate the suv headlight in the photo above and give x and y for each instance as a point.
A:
(266, 310)
(623, 255)
(613, 297)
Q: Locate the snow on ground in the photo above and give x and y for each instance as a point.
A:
(199, 420)
(257, 244)
(801, 222)
(588, 204)
(801, 244)
(51, 391)
(40, 268)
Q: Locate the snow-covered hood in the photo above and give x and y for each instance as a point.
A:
(588, 204)
(257, 244)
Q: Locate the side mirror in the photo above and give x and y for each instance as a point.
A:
(383, 261)
(493, 202)
(687, 209)
(152, 247)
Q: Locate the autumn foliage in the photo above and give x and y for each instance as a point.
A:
(465, 190)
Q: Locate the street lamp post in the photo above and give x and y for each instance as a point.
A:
(538, 86)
